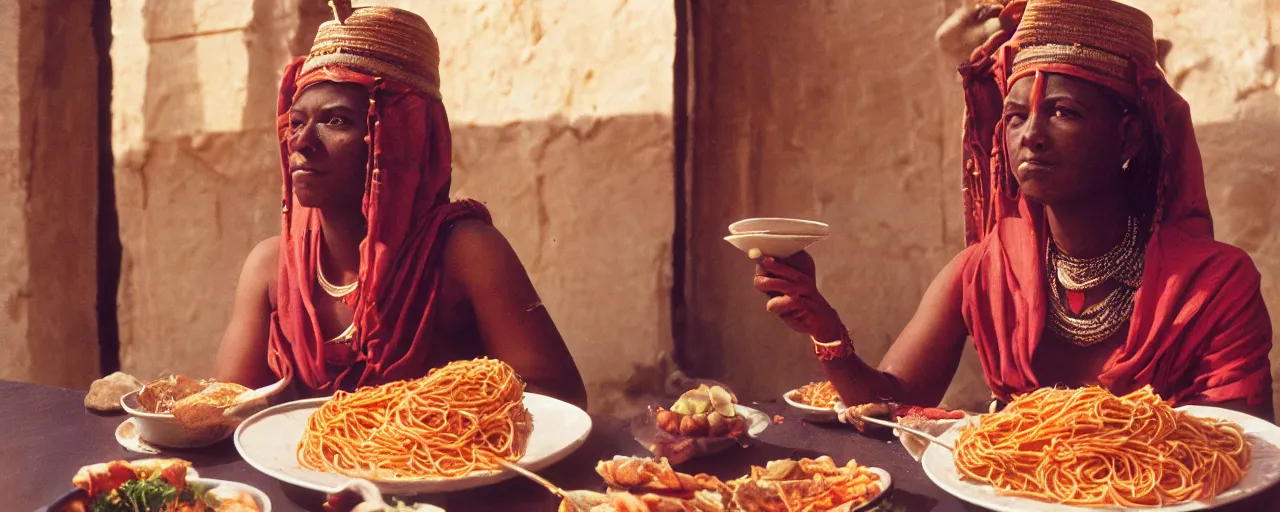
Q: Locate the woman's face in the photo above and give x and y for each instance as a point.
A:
(327, 150)
(1068, 142)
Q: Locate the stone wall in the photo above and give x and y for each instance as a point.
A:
(560, 118)
(844, 113)
(197, 175)
(48, 192)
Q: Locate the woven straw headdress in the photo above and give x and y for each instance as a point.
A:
(383, 41)
(1101, 38)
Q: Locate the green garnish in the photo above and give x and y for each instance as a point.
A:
(143, 495)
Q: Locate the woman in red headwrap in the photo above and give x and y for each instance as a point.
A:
(1091, 256)
(377, 275)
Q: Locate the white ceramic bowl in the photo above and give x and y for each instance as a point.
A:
(678, 450)
(779, 226)
(222, 488)
(809, 412)
(777, 246)
(164, 430)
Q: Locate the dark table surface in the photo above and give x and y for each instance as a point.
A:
(46, 435)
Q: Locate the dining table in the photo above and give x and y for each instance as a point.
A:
(46, 435)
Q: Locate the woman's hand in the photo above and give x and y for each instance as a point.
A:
(795, 298)
(968, 28)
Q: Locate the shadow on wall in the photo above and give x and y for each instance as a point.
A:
(58, 119)
(1243, 182)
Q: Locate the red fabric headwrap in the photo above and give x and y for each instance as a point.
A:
(1199, 330)
(406, 204)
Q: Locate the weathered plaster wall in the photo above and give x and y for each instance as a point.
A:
(48, 192)
(16, 361)
(560, 117)
(197, 175)
(845, 113)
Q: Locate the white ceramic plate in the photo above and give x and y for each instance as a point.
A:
(779, 226)
(269, 440)
(809, 412)
(1264, 443)
(127, 436)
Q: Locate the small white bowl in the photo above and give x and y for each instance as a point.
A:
(222, 488)
(779, 226)
(163, 430)
(777, 246)
(809, 412)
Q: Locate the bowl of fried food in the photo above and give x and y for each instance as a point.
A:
(703, 421)
(814, 401)
(809, 484)
(156, 484)
(708, 411)
(637, 483)
(182, 412)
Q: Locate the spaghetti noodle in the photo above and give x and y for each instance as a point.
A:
(1087, 447)
(456, 420)
(817, 394)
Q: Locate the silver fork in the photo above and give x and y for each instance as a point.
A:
(847, 413)
(582, 501)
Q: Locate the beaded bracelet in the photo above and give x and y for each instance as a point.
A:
(832, 350)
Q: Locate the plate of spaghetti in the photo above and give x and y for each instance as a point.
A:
(816, 401)
(1083, 449)
(439, 433)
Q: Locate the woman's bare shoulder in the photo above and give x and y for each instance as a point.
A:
(265, 255)
(475, 244)
(262, 266)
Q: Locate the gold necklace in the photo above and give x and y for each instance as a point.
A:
(335, 291)
(1123, 263)
(346, 336)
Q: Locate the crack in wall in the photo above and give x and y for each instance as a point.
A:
(108, 229)
(682, 139)
(196, 34)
